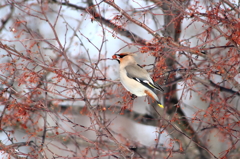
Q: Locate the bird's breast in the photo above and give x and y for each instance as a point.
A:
(132, 85)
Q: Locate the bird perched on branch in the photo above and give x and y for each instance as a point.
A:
(135, 78)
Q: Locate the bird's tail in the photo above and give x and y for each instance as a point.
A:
(160, 105)
(154, 97)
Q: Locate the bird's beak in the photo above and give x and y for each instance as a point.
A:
(116, 57)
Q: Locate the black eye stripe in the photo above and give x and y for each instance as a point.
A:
(121, 55)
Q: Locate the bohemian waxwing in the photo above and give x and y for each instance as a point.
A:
(135, 78)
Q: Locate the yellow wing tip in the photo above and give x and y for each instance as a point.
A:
(160, 105)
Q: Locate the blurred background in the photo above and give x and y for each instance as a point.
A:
(60, 94)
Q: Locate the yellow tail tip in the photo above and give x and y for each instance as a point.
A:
(160, 105)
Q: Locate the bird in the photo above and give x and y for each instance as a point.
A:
(135, 78)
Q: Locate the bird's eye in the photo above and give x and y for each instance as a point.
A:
(119, 56)
(122, 55)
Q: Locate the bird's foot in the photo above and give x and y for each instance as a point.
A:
(133, 96)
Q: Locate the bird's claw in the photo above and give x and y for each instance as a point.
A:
(133, 96)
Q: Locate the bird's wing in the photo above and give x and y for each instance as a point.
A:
(139, 74)
(158, 86)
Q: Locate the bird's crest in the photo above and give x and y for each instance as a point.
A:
(123, 54)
